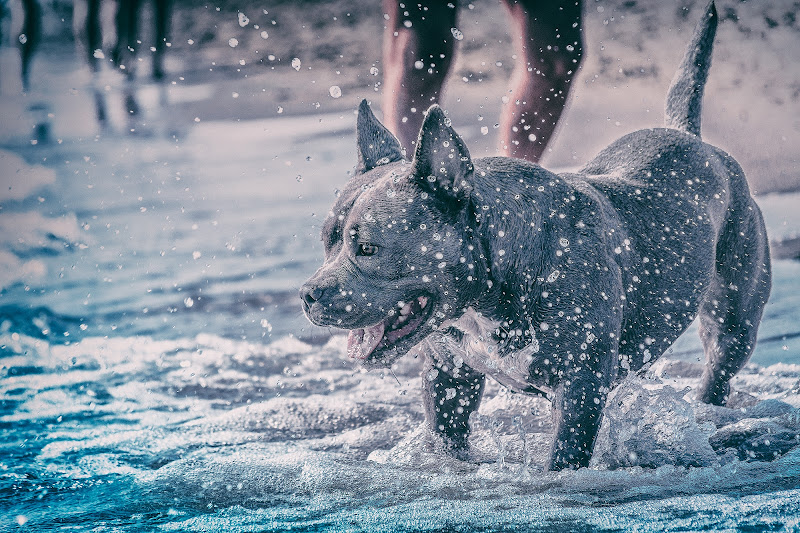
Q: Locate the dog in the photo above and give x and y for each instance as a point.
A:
(551, 284)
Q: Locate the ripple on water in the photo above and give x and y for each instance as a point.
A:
(204, 432)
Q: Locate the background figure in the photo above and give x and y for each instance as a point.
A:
(418, 50)
(92, 33)
(29, 39)
(129, 40)
(128, 34)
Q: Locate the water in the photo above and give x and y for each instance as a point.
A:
(159, 375)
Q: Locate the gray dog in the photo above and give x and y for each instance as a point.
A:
(552, 284)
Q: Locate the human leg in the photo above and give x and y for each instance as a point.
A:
(418, 49)
(549, 46)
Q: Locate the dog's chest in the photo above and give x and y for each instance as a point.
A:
(479, 350)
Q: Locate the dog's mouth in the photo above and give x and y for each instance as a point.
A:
(366, 343)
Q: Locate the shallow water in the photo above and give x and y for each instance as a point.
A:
(159, 375)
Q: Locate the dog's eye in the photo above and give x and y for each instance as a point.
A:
(364, 248)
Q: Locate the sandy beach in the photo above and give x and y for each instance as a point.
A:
(157, 373)
(234, 61)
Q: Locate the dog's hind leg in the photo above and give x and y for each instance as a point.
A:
(450, 394)
(732, 308)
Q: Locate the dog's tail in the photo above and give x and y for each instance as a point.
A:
(685, 95)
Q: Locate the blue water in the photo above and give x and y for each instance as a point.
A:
(158, 373)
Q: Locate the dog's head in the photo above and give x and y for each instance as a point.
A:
(400, 257)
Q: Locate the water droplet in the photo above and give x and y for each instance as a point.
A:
(296, 64)
(335, 91)
(233, 42)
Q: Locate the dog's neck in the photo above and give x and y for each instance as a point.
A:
(540, 212)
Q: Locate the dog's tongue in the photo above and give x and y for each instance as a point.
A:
(361, 342)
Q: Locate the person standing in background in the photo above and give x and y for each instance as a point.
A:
(418, 47)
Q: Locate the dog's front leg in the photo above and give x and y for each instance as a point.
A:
(450, 393)
(577, 409)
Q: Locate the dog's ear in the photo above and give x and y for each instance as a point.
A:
(441, 162)
(376, 145)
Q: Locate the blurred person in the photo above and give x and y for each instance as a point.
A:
(418, 49)
(29, 38)
(128, 33)
(129, 38)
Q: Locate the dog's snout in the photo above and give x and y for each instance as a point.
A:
(311, 294)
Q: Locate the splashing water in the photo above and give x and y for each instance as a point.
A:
(158, 374)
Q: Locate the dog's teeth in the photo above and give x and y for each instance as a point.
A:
(405, 310)
(423, 301)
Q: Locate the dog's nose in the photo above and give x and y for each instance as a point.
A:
(311, 294)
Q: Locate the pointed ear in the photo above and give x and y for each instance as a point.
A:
(376, 145)
(442, 162)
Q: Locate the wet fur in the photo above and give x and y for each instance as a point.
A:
(579, 277)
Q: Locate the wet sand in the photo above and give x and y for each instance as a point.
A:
(234, 62)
